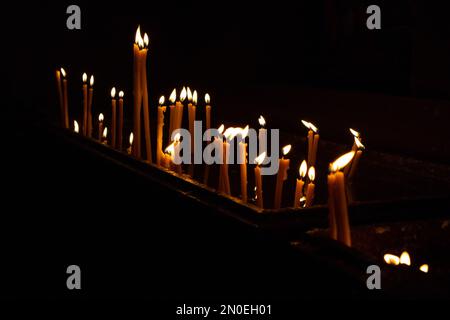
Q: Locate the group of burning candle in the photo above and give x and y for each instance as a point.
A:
(340, 170)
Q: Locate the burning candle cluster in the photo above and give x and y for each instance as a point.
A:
(404, 259)
(167, 150)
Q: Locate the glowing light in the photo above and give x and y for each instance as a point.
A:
(101, 117)
(286, 149)
(84, 77)
(183, 94)
(358, 143)
(424, 268)
(91, 81)
(146, 40)
(63, 72)
(310, 126)
(354, 133)
(161, 100)
(113, 92)
(303, 169)
(405, 258)
(244, 132)
(342, 161)
(76, 127)
(262, 121)
(121, 94)
(221, 128)
(311, 174)
(173, 96)
(189, 94)
(131, 138)
(207, 98)
(105, 133)
(391, 259)
(194, 97)
(260, 159)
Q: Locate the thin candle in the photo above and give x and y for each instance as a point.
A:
(138, 44)
(310, 188)
(144, 86)
(354, 164)
(113, 117)
(192, 107)
(130, 141)
(65, 99)
(172, 109)
(262, 135)
(85, 104)
(120, 128)
(100, 126)
(356, 135)
(313, 142)
(60, 96)
(258, 180)
(208, 135)
(243, 163)
(91, 96)
(159, 133)
(300, 184)
(105, 135)
(281, 177)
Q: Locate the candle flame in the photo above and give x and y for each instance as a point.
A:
(424, 268)
(121, 94)
(286, 149)
(244, 132)
(162, 100)
(173, 96)
(76, 127)
(189, 94)
(177, 137)
(354, 133)
(170, 149)
(113, 92)
(146, 40)
(101, 117)
(391, 259)
(84, 77)
(262, 121)
(91, 81)
(63, 72)
(230, 133)
(342, 161)
(105, 132)
(194, 97)
(311, 174)
(138, 36)
(303, 169)
(260, 159)
(221, 128)
(183, 94)
(310, 126)
(131, 138)
(207, 98)
(405, 258)
(358, 143)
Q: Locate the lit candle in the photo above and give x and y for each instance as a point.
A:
(191, 114)
(391, 259)
(120, 129)
(85, 104)
(258, 180)
(91, 96)
(405, 258)
(60, 96)
(179, 108)
(208, 136)
(218, 146)
(243, 163)
(331, 179)
(100, 126)
(138, 44)
(168, 152)
(105, 135)
(65, 99)
(340, 199)
(357, 135)
(177, 146)
(114, 117)
(281, 176)
(159, 133)
(354, 164)
(313, 142)
(424, 268)
(76, 127)
(130, 140)
(172, 99)
(300, 183)
(262, 135)
(148, 142)
(229, 135)
(310, 187)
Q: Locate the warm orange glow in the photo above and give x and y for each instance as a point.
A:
(105, 132)
(91, 81)
(231, 132)
(63, 72)
(189, 94)
(173, 96)
(424, 268)
(161, 100)
(391, 259)
(260, 159)
(221, 128)
(101, 117)
(177, 137)
(113, 92)
(342, 161)
(358, 143)
(354, 132)
(207, 98)
(146, 40)
(76, 127)
(262, 121)
(195, 97)
(121, 94)
(311, 174)
(244, 132)
(405, 258)
(84, 77)
(170, 149)
(131, 138)
(286, 149)
(303, 169)
(138, 35)
(310, 126)
(183, 94)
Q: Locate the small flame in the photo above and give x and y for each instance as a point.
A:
(138, 37)
(170, 149)
(76, 127)
(230, 133)
(63, 72)
(131, 138)
(354, 133)
(221, 128)
(306, 124)
(105, 133)
(183, 94)
(244, 132)
(161, 100)
(405, 258)
(358, 143)
(286, 149)
(303, 169)
(342, 161)
(194, 97)
(173, 96)
(146, 40)
(424, 268)
(311, 174)
(262, 121)
(207, 98)
(121, 94)
(310, 126)
(101, 117)
(302, 200)
(113, 92)
(177, 137)
(91, 81)
(84, 77)
(260, 159)
(391, 259)
(189, 94)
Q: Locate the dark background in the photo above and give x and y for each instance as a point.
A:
(288, 61)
